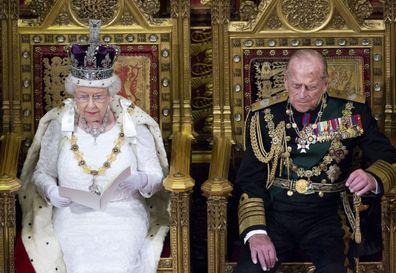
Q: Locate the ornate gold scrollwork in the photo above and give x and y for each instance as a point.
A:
(305, 15)
(40, 8)
(105, 10)
(274, 23)
(248, 10)
(63, 19)
(127, 18)
(361, 8)
(149, 8)
(180, 9)
(337, 22)
(220, 12)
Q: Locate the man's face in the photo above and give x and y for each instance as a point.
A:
(305, 84)
(92, 103)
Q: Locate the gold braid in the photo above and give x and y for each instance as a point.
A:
(277, 137)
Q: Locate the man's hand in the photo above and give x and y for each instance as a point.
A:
(263, 250)
(360, 182)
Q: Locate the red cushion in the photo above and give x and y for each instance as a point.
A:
(22, 262)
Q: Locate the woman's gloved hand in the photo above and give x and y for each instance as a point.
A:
(52, 194)
(136, 181)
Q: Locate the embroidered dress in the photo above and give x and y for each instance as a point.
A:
(109, 240)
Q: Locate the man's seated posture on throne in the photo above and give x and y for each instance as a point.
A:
(296, 165)
(85, 145)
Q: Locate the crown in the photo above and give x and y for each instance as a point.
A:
(92, 61)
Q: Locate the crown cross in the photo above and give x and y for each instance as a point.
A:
(94, 30)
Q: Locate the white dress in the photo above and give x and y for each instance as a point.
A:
(109, 240)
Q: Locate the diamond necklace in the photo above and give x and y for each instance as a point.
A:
(306, 136)
(95, 131)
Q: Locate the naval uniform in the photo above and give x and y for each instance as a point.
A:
(291, 178)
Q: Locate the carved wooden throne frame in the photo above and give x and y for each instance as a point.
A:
(153, 52)
(248, 62)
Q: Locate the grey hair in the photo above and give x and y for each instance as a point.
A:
(309, 53)
(113, 84)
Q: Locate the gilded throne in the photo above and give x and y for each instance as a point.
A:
(252, 50)
(149, 64)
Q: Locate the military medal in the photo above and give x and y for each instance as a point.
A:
(306, 136)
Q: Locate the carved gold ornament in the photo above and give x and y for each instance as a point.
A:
(248, 10)
(104, 10)
(305, 15)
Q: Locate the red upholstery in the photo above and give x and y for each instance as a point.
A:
(22, 263)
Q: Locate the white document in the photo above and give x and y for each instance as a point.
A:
(92, 200)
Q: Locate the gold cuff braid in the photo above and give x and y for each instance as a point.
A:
(250, 212)
(386, 172)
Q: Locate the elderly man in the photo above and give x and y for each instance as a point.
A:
(297, 163)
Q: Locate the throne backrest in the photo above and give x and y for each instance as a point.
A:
(144, 64)
(260, 47)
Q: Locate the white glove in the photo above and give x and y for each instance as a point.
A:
(136, 181)
(52, 193)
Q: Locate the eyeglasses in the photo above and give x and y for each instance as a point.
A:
(95, 98)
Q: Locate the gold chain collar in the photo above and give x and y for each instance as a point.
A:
(337, 151)
(78, 155)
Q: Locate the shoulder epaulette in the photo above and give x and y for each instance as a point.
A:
(343, 95)
(267, 102)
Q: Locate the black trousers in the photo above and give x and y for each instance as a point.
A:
(318, 235)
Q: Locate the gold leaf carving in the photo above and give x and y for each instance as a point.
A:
(127, 18)
(337, 22)
(40, 8)
(390, 11)
(180, 9)
(248, 10)
(220, 12)
(149, 8)
(105, 10)
(63, 18)
(361, 8)
(274, 23)
(305, 15)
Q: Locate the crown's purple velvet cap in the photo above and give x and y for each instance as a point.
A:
(79, 52)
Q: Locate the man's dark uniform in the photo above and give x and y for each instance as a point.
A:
(297, 215)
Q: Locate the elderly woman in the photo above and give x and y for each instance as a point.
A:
(85, 145)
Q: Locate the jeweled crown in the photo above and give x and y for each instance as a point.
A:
(92, 61)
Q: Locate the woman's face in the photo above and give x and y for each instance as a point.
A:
(92, 103)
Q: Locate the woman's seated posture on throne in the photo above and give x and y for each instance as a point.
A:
(85, 145)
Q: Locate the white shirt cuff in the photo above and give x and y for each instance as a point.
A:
(376, 191)
(253, 232)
